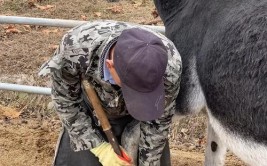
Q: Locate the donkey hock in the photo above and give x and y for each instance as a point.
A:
(223, 45)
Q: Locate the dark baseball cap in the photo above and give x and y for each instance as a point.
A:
(140, 59)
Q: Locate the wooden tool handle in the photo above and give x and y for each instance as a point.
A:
(101, 115)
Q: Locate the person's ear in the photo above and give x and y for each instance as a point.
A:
(109, 63)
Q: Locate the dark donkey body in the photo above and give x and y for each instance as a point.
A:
(223, 45)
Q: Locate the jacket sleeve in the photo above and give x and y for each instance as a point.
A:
(155, 133)
(66, 95)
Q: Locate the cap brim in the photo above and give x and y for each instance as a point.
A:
(144, 106)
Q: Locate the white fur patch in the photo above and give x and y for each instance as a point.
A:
(196, 96)
(251, 152)
(215, 157)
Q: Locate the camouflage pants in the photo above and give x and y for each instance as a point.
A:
(65, 156)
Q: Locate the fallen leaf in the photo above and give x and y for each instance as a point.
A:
(53, 46)
(136, 5)
(48, 31)
(11, 29)
(31, 4)
(46, 7)
(27, 28)
(184, 130)
(44, 59)
(97, 14)
(154, 13)
(9, 112)
(115, 9)
(137, 1)
(83, 17)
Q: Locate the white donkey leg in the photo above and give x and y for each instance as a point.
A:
(215, 150)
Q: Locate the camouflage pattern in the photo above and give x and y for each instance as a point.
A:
(82, 54)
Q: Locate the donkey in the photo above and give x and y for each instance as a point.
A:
(223, 45)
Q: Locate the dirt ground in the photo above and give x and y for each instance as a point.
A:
(28, 125)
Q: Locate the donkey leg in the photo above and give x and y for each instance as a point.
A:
(215, 150)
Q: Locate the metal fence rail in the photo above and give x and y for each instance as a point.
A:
(55, 22)
(40, 21)
(25, 88)
(44, 22)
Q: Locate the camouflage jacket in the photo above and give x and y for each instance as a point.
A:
(81, 53)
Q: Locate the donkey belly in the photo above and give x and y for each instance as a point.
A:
(236, 100)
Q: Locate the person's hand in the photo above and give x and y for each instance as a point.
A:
(107, 156)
